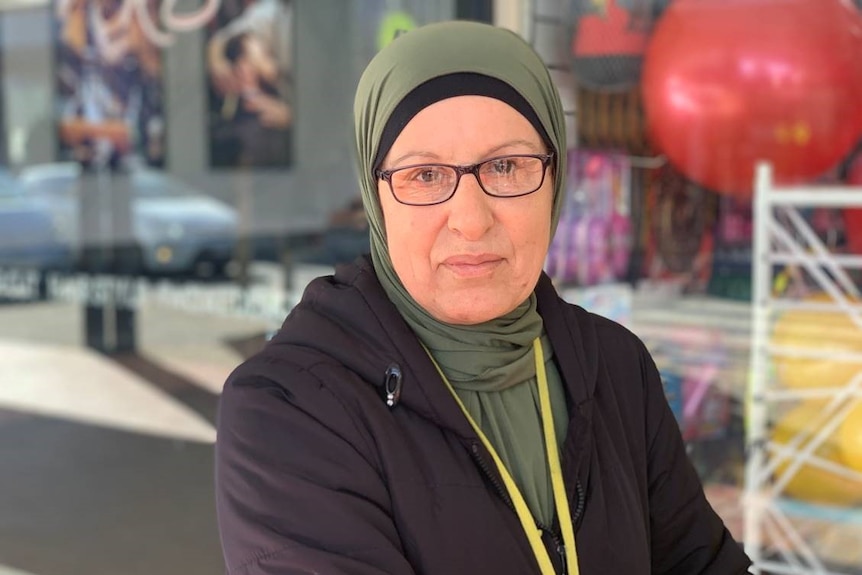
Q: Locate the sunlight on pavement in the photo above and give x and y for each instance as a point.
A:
(79, 385)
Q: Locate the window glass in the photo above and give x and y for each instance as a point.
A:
(168, 184)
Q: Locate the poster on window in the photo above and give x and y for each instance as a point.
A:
(109, 83)
(249, 68)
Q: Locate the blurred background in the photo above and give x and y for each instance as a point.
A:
(172, 174)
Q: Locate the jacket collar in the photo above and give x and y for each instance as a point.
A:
(422, 390)
(353, 300)
(575, 347)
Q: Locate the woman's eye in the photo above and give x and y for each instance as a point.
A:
(427, 176)
(503, 166)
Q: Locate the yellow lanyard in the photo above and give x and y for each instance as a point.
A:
(534, 534)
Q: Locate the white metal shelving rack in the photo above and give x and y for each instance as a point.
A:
(773, 537)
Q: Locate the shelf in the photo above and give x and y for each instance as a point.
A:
(783, 534)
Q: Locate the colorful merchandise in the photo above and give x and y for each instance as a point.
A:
(609, 39)
(812, 330)
(812, 483)
(731, 259)
(613, 301)
(691, 363)
(593, 240)
(678, 220)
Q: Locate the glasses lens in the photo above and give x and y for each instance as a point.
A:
(512, 175)
(420, 185)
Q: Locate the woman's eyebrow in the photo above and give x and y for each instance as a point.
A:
(414, 154)
(534, 147)
(514, 143)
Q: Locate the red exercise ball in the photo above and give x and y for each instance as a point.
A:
(730, 82)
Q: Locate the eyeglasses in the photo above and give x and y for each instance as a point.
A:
(501, 177)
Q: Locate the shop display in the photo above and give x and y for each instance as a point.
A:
(728, 84)
(593, 239)
(672, 384)
(731, 259)
(609, 39)
(613, 301)
(853, 227)
(108, 84)
(816, 330)
(679, 219)
(803, 423)
(850, 439)
(811, 483)
(834, 531)
(249, 66)
(611, 120)
(853, 216)
(691, 362)
(607, 43)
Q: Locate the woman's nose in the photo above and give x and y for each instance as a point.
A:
(470, 210)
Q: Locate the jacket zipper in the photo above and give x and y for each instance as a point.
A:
(501, 491)
(559, 546)
(392, 388)
(581, 503)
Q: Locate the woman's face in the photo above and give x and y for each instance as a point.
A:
(474, 257)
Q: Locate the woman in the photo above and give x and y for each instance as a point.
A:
(438, 409)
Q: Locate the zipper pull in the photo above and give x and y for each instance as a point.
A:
(561, 551)
(555, 544)
(392, 385)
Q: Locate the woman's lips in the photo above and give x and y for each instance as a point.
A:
(472, 265)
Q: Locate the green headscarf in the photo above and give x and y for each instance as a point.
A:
(489, 364)
(436, 50)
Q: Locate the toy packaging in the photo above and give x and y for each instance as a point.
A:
(679, 217)
(592, 243)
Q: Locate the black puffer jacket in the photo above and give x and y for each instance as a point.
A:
(316, 474)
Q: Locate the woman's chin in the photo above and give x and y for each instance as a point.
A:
(473, 310)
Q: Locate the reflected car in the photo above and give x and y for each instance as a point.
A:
(175, 229)
(29, 236)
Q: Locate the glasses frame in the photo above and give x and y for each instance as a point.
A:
(386, 175)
